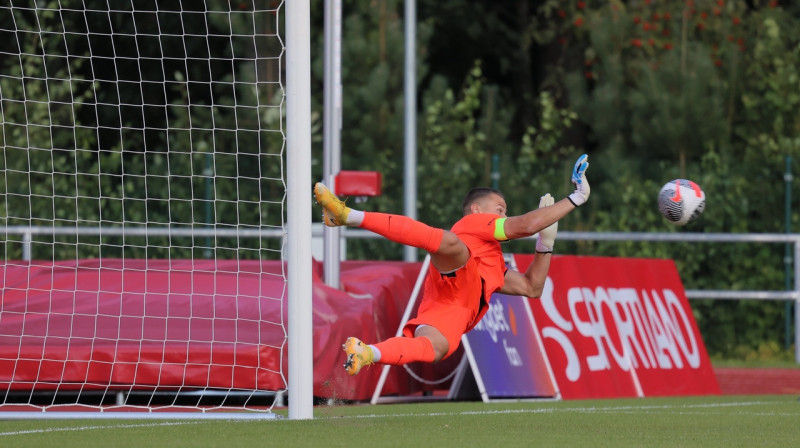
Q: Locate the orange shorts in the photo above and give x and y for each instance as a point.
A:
(452, 303)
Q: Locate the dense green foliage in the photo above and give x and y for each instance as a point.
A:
(138, 127)
(509, 93)
(707, 90)
(696, 88)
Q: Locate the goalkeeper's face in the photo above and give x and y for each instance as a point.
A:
(492, 203)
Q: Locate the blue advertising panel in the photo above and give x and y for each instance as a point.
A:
(506, 354)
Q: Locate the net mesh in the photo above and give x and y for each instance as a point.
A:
(142, 203)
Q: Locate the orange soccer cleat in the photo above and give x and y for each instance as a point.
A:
(334, 212)
(359, 355)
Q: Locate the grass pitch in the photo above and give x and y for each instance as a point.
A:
(729, 421)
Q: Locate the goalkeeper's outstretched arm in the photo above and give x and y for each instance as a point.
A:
(543, 221)
(530, 223)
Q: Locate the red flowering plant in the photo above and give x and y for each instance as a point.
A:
(649, 61)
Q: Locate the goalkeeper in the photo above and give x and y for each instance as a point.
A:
(468, 266)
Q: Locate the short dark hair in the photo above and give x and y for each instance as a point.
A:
(475, 195)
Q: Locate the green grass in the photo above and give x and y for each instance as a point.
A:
(756, 363)
(729, 421)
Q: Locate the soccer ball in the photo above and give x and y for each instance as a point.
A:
(681, 201)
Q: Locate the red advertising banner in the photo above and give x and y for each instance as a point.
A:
(620, 327)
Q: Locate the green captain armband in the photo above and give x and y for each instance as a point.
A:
(499, 229)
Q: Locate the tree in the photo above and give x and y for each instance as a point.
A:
(108, 120)
(697, 89)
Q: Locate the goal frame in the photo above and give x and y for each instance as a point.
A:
(296, 237)
(298, 135)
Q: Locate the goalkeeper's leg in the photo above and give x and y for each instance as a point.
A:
(422, 341)
(447, 251)
(393, 351)
(428, 345)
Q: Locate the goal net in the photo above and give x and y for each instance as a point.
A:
(142, 205)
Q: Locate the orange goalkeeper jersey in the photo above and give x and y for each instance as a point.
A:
(454, 303)
(478, 231)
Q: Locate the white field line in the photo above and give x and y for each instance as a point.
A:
(92, 428)
(586, 410)
(683, 409)
(750, 414)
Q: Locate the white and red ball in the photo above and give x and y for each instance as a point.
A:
(681, 201)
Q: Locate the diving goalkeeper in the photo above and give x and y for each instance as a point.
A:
(468, 266)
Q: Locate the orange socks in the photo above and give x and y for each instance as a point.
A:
(401, 350)
(404, 230)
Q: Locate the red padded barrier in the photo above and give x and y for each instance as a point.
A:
(185, 323)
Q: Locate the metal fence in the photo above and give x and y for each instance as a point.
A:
(29, 233)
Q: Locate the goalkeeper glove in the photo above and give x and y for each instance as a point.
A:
(581, 194)
(547, 236)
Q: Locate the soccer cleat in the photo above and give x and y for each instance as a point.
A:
(334, 212)
(359, 355)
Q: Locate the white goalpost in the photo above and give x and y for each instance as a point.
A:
(155, 209)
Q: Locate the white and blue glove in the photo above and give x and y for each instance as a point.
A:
(547, 236)
(581, 194)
